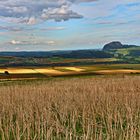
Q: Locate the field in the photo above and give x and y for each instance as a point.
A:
(21, 61)
(91, 108)
(45, 72)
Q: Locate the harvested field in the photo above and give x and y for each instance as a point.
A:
(74, 69)
(35, 72)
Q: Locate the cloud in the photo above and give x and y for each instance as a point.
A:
(11, 28)
(59, 14)
(54, 28)
(31, 21)
(32, 42)
(32, 11)
(14, 42)
(51, 42)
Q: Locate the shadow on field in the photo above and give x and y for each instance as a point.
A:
(16, 76)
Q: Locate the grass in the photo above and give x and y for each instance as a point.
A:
(123, 51)
(99, 108)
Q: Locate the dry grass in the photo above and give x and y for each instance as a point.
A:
(71, 109)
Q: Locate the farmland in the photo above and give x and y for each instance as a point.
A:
(92, 108)
(58, 98)
(124, 60)
(44, 72)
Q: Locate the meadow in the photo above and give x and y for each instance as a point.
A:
(88, 108)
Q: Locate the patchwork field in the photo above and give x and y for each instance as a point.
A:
(43, 72)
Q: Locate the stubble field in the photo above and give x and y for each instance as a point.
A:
(98, 108)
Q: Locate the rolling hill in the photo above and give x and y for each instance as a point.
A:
(126, 53)
(112, 53)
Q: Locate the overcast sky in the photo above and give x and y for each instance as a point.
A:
(32, 25)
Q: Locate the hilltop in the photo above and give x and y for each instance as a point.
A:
(117, 45)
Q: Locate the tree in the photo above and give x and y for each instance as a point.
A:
(7, 73)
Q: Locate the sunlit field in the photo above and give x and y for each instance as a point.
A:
(74, 69)
(43, 72)
(95, 108)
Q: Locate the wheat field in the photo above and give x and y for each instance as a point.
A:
(98, 108)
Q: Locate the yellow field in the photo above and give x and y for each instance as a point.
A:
(63, 71)
(74, 69)
(48, 71)
(44, 71)
(20, 71)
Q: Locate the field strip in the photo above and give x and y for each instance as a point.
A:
(43, 71)
(15, 79)
(118, 71)
(49, 71)
(20, 71)
(3, 70)
(74, 69)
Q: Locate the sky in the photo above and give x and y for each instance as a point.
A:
(44, 25)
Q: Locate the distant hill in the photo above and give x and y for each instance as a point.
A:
(78, 54)
(91, 53)
(116, 45)
(112, 45)
(63, 54)
(112, 53)
(37, 54)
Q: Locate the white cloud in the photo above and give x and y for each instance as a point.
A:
(31, 11)
(32, 42)
(59, 14)
(51, 42)
(31, 20)
(56, 28)
(14, 42)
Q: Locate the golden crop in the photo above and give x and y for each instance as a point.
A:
(71, 109)
(74, 69)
